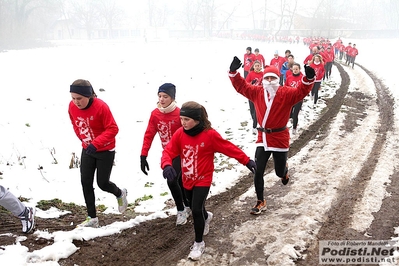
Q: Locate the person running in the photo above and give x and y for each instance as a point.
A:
(196, 143)
(353, 53)
(259, 57)
(317, 64)
(287, 65)
(165, 120)
(273, 105)
(95, 127)
(249, 59)
(293, 80)
(278, 62)
(254, 77)
(18, 209)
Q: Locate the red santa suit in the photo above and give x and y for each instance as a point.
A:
(273, 105)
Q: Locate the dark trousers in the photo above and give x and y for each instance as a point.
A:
(294, 114)
(102, 162)
(315, 91)
(176, 186)
(197, 197)
(253, 114)
(261, 158)
(327, 70)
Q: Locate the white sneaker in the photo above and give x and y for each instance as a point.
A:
(207, 222)
(254, 131)
(181, 217)
(188, 211)
(196, 250)
(122, 201)
(28, 219)
(89, 222)
(293, 131)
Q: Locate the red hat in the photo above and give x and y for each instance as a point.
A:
(271, 71)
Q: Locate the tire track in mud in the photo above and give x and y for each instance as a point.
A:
(340, 215)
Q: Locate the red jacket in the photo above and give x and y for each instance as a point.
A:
(277, 62)
(278, 114)
(248, 61)
(319, 70)
(293, 81)
(353, 52)
(261, 59)
(165, 124)
(197, 155)
(94, 125)
(258, 76)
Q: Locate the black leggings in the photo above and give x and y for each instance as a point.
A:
(294, 114)
(102, 162)
(315, 91)
(197, 197)
(261, 158)
(176, 186)
(253, 114)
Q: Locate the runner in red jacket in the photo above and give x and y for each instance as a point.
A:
(196, 143)
(96, 128)
(249, 59)
(273, 107)
(317, 64)
(165, 120)
(293, 80)
(254, 77)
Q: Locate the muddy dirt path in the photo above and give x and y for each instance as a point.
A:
(319, 203)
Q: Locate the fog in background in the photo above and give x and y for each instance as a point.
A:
(30, 23)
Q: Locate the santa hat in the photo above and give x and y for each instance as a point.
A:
(271, 71)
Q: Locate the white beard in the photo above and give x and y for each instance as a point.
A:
(271, 87)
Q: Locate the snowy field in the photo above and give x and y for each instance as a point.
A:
(36, 130)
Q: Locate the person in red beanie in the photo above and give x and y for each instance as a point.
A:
(273, 105)
(96, 128)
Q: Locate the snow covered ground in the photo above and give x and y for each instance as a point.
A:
(35, 129)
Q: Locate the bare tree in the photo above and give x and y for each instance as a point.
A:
(283, 8)
(191, 12)
(292, 13)
(86, 12)
(207, 16)
(111, 13)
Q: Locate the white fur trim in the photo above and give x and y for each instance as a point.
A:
(232, 75)
(270, 74)
(308, 82)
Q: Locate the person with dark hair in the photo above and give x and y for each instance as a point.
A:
(249, 59)
(293, 80)
(328, 57)
(12, 204)
(165, 120)
(353, 53)
(95, 127)
(197, 142)
(273, 105)
(254, 77)
(348, 54)
(287, 65)
(259, 57)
